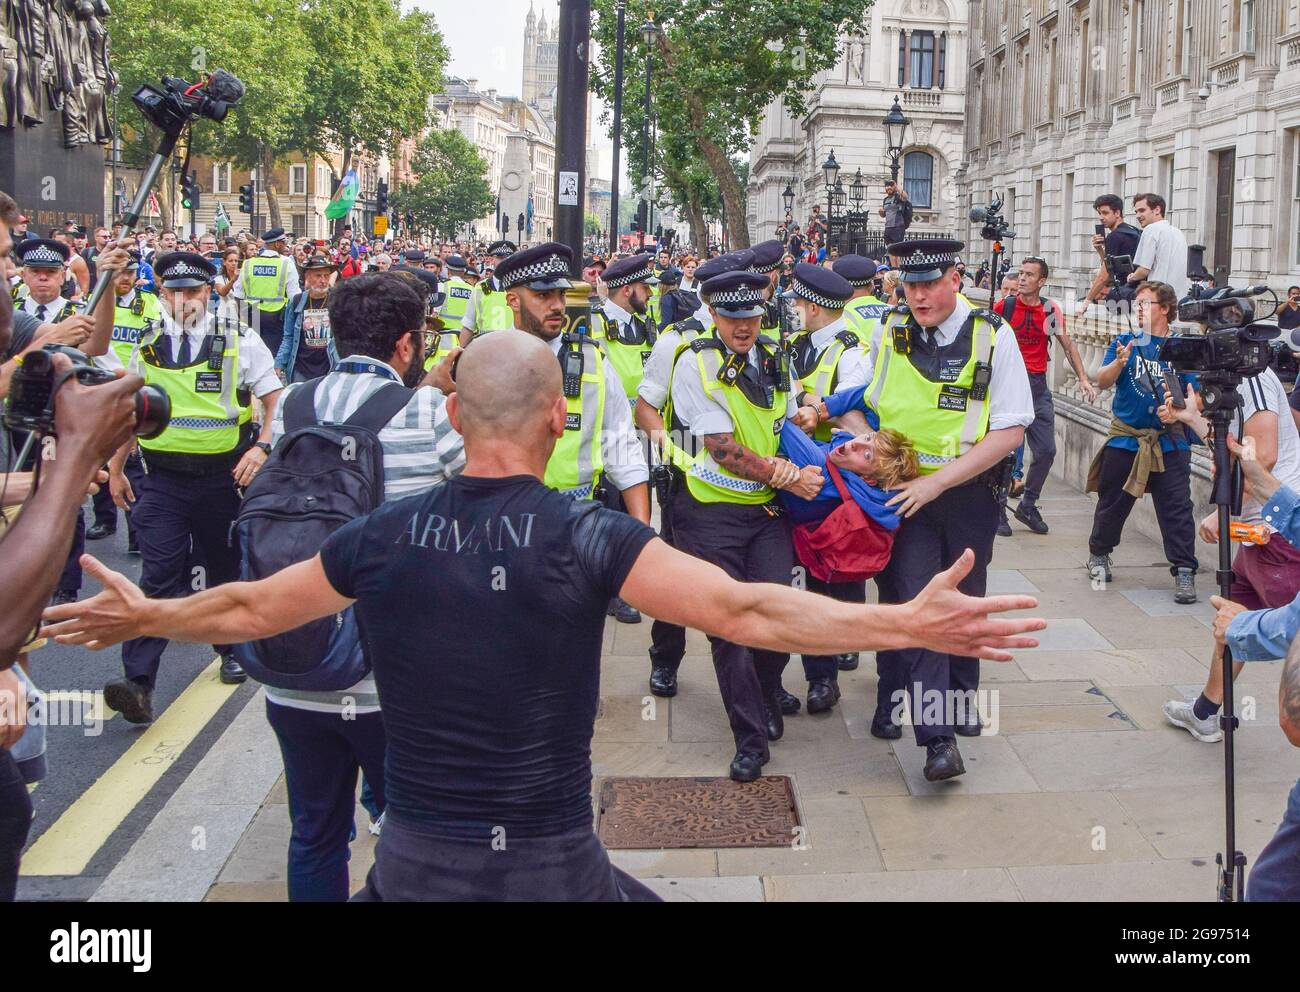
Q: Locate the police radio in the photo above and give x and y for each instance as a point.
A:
(217, 352)
(979, 387)
(571, 369)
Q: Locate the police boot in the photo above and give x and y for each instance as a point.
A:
(747, 766)
(130, 698)
(663, 681)
(847, 662)
(232, 672)
(775, 721)
(885, 728)
(790, 703)
(823, 694)
(622, 612)
(943, 760)
(100, 531)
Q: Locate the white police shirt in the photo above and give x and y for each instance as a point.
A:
(291, 287)
(1011, 403)
(697, 409)
(852, 368)
(256, 364)
(47, 313)
(659, 366)
(620, 446)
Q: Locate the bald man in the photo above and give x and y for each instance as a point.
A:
(489, 794)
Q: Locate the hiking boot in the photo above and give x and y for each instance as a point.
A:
(1185, 586)
(1099, 567)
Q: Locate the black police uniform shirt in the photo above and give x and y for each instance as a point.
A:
(482, 605)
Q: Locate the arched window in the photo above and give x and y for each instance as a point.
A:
(918, 178)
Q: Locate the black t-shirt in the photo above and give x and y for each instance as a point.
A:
(1123, 240)
(312, 359)
(1288, 319)
(482, 607)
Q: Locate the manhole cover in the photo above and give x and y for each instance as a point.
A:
(697, 812)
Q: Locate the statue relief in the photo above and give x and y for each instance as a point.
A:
(54, 54)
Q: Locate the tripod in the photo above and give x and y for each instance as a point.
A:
(1221, 401)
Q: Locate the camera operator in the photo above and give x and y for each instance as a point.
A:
(1140, 453)
(1161, 254)
(1267, 575)
(1117, 239)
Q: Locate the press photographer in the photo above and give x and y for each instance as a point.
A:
(1115, 241)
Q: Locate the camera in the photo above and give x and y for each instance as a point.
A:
(996, 227)
(1233, 342)
(177, 102)
(35, 384)
(1119, 268)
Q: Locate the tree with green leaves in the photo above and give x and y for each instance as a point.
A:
(590, 225)
(452, 189)
(718, 64)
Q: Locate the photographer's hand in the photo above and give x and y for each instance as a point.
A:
(1263, 484)
(1227, 610)
(74, 332)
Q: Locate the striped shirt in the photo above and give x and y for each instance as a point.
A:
(421, 449)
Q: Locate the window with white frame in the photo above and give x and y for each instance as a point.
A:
(221, 178)
(1165, 175)
(297, 180)
(1248, 25)
(918, 178)
(1295, 199)
(1189, 41)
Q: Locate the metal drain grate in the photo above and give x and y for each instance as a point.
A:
(660, 813)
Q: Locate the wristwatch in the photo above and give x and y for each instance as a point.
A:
(265, 446)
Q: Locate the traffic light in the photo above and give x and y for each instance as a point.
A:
(639, 222)
(381, 198)
(190, 191)
(246, 198)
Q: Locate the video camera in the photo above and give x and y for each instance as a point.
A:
(177, 103)
(996, 227)
(35, 385)
(1233, 343)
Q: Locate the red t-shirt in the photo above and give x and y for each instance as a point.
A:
(1032, 334)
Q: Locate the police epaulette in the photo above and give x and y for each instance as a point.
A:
(848, 339)
(984, 313)
(902, 308)
(689, 324)
(569, 337)
(705, 344)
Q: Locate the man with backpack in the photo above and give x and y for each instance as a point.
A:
(897, 211)
(320, 696)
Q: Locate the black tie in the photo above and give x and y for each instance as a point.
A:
(184, 357)
(930, 341)
(40, 311)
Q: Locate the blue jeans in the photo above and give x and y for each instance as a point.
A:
(322, 753)
(1276, 875)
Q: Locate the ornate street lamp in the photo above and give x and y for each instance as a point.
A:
(895, 123)
(831, 170)
(787, 198)
(857, 191)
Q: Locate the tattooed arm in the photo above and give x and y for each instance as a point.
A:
(737, 459)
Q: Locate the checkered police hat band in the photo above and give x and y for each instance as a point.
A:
(735, 297)
(936, 260)
(545, 269)
(812, 296)
(42, 255)
(631, 277)
(763, 270)
(859, 283)
(184, 270)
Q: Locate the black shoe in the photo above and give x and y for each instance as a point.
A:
(847, 662)
(133, 700)
(746, 767)
(886, 729)
(99, 532)
(973, 727)
(232, 672)
(943, 760)
(1004, 528)
(790, 704)
(663, 681)
(132, 547)
(62, 596)
(1031, 518)
(775, 722)
(622, 612)
(823, 694)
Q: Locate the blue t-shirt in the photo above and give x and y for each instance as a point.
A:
(145, 272)
(1139, 391)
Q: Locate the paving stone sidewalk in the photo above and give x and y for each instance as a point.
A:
(1084, 792)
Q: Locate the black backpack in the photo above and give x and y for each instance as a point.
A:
(319, 476)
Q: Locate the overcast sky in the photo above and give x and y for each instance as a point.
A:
(486, 38)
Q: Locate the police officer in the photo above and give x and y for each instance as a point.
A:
(267, 282)
(41, 291)
(599, 438)
(952, 380)
(488, 310)
(825, 357)
(864, 310)
(210, 369)
(767, 257)
(732, 392)
(135, 313)
(459, 291)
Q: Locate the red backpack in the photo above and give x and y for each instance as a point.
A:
(848, 546)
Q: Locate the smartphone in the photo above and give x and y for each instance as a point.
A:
(1099, 230)
(1175, 390)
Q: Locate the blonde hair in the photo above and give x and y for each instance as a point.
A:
(887, 283)
(896, 457)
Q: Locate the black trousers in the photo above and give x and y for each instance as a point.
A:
(105, 508)
(270, 325)
(1041, 438)
(70, 577)
(1170, 491)
(174, 513)
(750, 545)
(817, 666)
(667, 640)
(927, 543)
(15, 821)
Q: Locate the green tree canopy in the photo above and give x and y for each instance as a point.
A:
(452, 189)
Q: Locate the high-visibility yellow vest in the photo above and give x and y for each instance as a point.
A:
(863, 315)
(942, 419)
(263, 281)
(206, 410)
(627, 354)
(132, 321)
(491, 311)
(758, 428)
(821, 380)
(445, 342)
(458, 295)
(576, 464)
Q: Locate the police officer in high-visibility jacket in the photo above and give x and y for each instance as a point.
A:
(599, 439)
(458, 292)
(488, 310)
(767, 257)
(732, 392)
(864, 311)
(825, 357)
(953, 381)
(266, 284)
(135, 313)
(210, 369)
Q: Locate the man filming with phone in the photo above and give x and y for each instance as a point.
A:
(1113, 237)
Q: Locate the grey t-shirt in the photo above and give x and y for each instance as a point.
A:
(893, 211)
